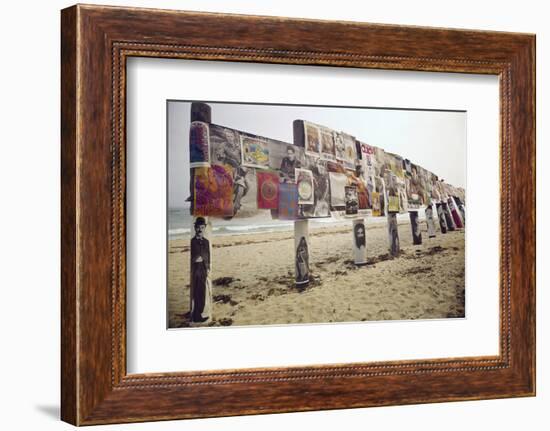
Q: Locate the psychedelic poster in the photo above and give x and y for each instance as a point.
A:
(268, 189)
(288, 201)
(213, 191)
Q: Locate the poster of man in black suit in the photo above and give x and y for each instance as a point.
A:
(200, 272)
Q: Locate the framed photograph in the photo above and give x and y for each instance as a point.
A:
(259, 222)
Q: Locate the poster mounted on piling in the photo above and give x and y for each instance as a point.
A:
(288, 201)
(199, 145)
(200, 284)
(359, 241)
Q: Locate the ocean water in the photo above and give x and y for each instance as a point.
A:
(180, 224)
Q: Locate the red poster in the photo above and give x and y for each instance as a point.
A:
(268, 190)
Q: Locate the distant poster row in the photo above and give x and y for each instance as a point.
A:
(323, 173)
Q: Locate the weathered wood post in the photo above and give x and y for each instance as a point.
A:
(461, 208)
(448, 216)
(430, 220)
(301, 227)
(454, 212)
(415, 228)
(441, 217)
(200, 296)
(393, 233)
(359, 241)
(301, 249)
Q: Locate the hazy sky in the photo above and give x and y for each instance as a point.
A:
(435, 140)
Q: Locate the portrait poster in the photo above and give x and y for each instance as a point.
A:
(285, 158)
(225, 146)
(200, 286)
(359, 242)
(352, 202)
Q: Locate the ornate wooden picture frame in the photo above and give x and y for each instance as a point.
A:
(96, 41)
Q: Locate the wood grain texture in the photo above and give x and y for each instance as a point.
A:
(96, 41)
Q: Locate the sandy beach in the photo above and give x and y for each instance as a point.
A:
(253, 278)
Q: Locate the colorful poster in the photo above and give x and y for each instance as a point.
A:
(199, 145)
(304, 181)
(454, 213)
(268, 189)
(312, 139)
(288, 201)
(213, 191)
(338, 182)
(255, 152)
(352, 201)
